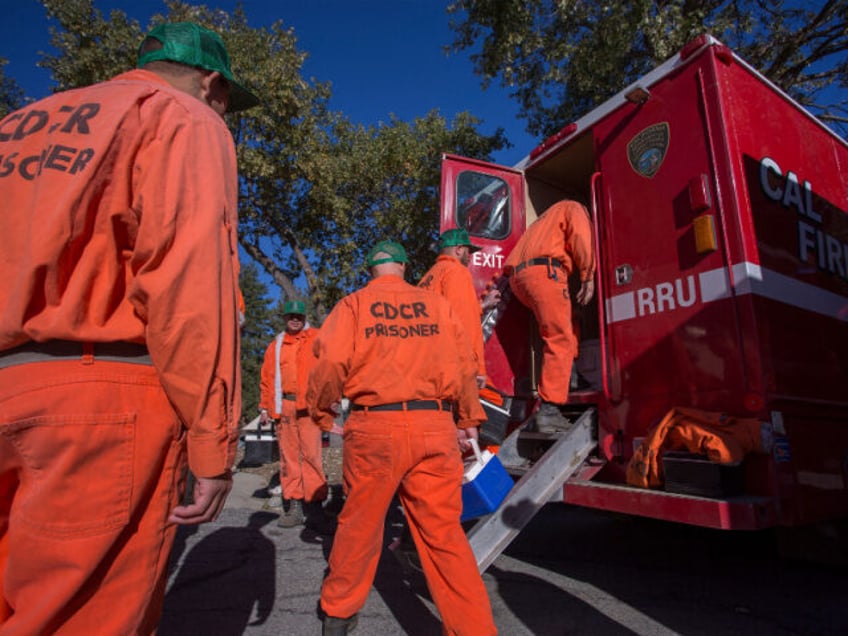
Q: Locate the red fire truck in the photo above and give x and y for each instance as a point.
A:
(719, 211)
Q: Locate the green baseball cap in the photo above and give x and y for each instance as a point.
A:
(191, 44)
(457, 236)
(388, 252)
(294, 307)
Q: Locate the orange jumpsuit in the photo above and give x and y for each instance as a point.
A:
(119, 226)
(450, 278)
(564, 233)
(385, 344)
(282, 392)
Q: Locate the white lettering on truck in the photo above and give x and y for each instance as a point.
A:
(790, 193)
(666, 296)
(485, 259)
(814, 244)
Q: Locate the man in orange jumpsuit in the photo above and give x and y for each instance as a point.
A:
(555, 244)
(402, 358)
(119, 337)
(282, 397)
(450, 277)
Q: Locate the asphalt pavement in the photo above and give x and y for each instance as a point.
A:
(571, 571)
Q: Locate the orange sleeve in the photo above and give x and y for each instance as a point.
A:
(186, 284)
(326, 380)
(458, 289)
(578, 240)
(470, 411)
(266, 381)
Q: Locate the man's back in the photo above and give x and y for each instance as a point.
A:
(562, 232)
(404, 345)
(80, 172)
(452, 280)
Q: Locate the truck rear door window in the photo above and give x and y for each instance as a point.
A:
(483, 205)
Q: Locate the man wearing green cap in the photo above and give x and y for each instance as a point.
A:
(282, 398)
(450, 277)
(400, 355)
(119, 338)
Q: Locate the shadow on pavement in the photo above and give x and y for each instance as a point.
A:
(401, 590)
(226, 582)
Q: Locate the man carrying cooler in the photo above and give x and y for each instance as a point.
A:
(119, 336)
(450, 277)
(402, 358)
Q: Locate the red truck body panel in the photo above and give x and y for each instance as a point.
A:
(722, 276)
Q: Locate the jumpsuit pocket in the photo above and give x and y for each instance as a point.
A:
(367, 453)
(442, 451)
(66, 461)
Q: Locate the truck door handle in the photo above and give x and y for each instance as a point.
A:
(623, 274)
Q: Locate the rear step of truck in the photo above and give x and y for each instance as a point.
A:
(541, 479)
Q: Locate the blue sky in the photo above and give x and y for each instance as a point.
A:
(382, 57)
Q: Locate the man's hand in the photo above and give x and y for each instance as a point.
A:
(337, 430)
(210, 493)
(263, 416)
(587, 290)
(463, 435)
(491, 299)
(481, 381)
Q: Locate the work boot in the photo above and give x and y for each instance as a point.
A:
(549, 419)
(317, 519)
(338, 626)
(293, 516)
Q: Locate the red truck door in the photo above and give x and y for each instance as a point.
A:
(670, 310)
(488, 201)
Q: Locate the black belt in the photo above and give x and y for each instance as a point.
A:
(413, 405)
(544, 260)
(69, 350)
(290, 396)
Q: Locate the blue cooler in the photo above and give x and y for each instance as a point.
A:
(485, 485)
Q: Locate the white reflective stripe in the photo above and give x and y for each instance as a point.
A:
(748, 278)
(752, 279)
(278, 380)
(621, 307)
(714, 285)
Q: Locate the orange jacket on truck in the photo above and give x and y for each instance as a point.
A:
(718, 436)
(563, 232)
(399, 329)
(285, 370)
(450, 278)
(120, 274)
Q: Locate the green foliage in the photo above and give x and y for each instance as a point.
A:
(381, 182)
(91, 48)
(561, 58)
(257, 332)
(11, 95)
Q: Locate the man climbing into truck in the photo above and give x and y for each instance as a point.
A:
(557, 243)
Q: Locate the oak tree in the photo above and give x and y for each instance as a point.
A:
(561, 58)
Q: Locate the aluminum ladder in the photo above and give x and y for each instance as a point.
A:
(492, 534)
